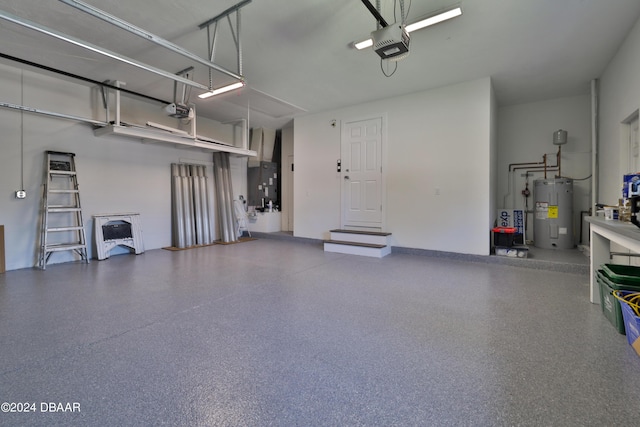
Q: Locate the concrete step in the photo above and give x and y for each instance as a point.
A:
(356, 248)
(370, 237)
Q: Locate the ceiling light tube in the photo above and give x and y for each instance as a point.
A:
(363, 44)
(426, 22)
(423, 23)
(222, 89)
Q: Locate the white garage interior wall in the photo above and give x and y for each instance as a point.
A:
(114, 174)
(438, 168)
(525, 134)
(619, 98)
(452, 140)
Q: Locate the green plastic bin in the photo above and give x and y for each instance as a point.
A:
(608, 303)
(622, 274)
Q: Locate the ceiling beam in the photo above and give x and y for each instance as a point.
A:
(97, 49)
(93, 11)
(225, 13)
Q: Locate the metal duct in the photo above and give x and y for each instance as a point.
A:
(204, 205)
(217, 175)
(190, 199)
(224, 196)
(187, 205)
(197, 206)
(231, 218)
(176, 207)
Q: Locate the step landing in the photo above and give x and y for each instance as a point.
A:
(355, 242)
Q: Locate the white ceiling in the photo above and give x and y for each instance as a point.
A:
(298, 53)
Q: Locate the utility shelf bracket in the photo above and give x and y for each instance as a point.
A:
(212, 35)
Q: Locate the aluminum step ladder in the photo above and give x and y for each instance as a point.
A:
(62, 223)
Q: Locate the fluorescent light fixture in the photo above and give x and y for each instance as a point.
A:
(434, 19)
(423, 23)
(363, 44)
(222, 89)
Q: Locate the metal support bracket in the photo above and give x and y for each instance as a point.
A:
(212, 34)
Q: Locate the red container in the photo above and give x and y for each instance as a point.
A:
(509, 230)
(504, 236)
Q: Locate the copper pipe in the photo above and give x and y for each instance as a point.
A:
(551, 169)
(558, 159)
(543, 168)
(528, 163)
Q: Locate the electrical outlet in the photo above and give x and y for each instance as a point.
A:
(21, 194)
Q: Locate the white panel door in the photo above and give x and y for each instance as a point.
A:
(362, 173)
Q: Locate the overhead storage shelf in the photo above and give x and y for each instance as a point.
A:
(149, 135)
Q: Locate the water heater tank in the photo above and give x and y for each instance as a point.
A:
(553, 223)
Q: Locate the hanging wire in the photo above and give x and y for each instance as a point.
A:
(582, 179)
(382, 67)
(403, 15)
(21, 130)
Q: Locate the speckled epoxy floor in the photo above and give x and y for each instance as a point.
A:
(274, 332)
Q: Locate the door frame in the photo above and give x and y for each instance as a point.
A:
(383, 174)
(287, 194)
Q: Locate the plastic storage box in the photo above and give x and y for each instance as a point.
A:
(504, 236)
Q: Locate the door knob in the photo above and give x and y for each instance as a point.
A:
(346, 177)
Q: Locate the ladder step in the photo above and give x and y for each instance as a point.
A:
(368, 233)
(63, 209)
(56, 229)
(364, 245)
(63, 191)
(62, 173)
(64, 247)
(60, 153)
